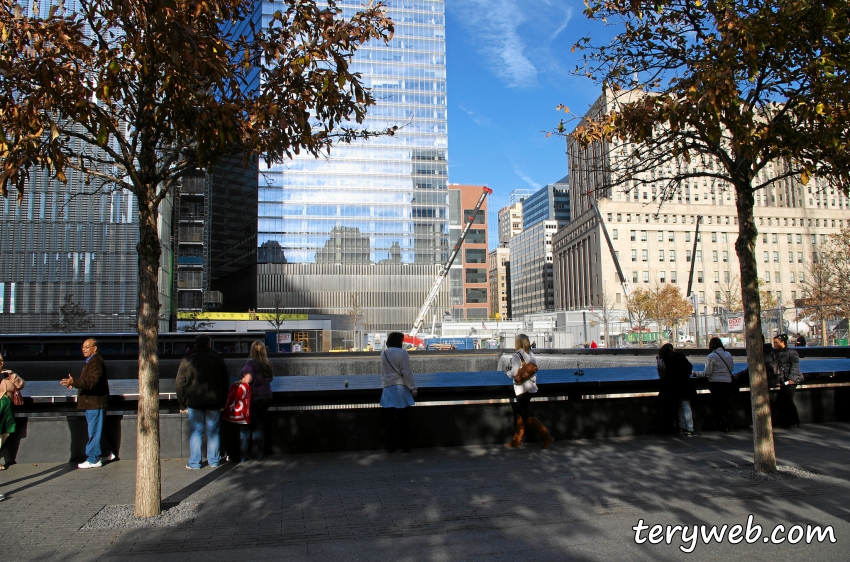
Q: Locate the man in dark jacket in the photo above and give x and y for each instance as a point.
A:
(202, 385)
(92, 396)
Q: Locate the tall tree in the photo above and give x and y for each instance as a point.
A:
(671, 308)
(275, 318)
(724, 90)
(640, 304)
(134, 95)
(71, 317)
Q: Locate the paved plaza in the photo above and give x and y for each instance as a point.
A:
(577, 501)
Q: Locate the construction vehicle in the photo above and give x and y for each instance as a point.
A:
(444, 270)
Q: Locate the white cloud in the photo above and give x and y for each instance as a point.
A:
(478, 119)
(499, 29)
(525, 178)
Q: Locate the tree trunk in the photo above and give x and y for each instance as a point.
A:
(148, 470)
(763, 453)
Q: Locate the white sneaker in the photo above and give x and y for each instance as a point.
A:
(108, 458)
(88, 464)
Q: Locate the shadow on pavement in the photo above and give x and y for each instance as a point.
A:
(198, 484)
(52, 473)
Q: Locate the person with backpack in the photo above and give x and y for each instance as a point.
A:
(522, 369)
(718, 368)
(787, 375)
(674, 370)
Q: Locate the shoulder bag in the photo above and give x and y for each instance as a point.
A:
(525, 372)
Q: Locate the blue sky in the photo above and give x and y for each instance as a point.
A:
(508, 68)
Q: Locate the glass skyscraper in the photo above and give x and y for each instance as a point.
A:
(370, 219)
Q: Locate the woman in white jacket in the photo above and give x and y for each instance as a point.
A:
(521, 404)
(718, 368)
(398, 394)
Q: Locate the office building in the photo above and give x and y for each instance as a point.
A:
(532, 283)
(468, 277)
(372, 219)
(510, 222)
(657, 245)
(500, 283)
(548, 203)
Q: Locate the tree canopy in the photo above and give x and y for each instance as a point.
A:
(749, 93)
(134, 95)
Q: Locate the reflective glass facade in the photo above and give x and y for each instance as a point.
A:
(383, 200)
(371, 206)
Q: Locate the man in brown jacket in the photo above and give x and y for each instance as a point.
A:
(92, 396)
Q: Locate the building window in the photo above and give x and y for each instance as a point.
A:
(672, 276)
(480, 218)
(646, 277)
(476, 256)
(714, 256)
(725, 256)
(790, 239)
(773, 237)
(799, 239)
(776, 278)
(723, 237)
(476, 275)
(634, 255)
(615, 234)
(767, 277)
(687, 237)
(716, 296)
(476, 236)
(714, 237)
(699, 277)
(632, 234)
(660, 255)
(717, 277)
(726, 277)
(643, 236)
(791, 277)
(644, 255)
(688, 256)
(799, 257)
(672, 255)
(671, 237)
(618, 298)
(661, 236)
(699, 256)
(476, 296)
(767, 257)
(634, 276)
(775, 257)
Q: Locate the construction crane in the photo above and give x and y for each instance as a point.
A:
(627, 288)
(444, 271)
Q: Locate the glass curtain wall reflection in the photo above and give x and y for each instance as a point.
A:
(376, 209)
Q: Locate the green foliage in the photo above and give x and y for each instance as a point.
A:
(71, 318)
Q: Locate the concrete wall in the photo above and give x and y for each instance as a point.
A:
(61, 437)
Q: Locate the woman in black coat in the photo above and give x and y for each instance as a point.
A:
(786, 370)
(674, 370)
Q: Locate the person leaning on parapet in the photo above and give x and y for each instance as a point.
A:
(92, 396)
(258, 373)
(202, 385)
(787, 375)
(399, 390)
(674, 370)
(9, 382)
(801, 341)
(521, 402)
(718, 369)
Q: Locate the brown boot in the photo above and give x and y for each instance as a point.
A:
(520, 431)
(541, 431)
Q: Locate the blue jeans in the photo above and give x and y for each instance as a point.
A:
(94, 421)
(686, 416)
(252, 437)
(200, 419)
